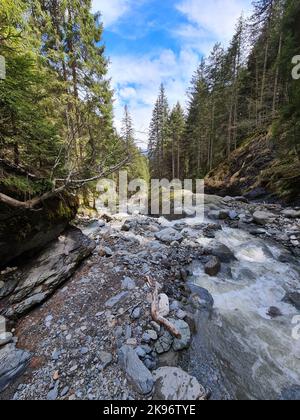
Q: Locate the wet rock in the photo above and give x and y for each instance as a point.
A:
(291, 393)
(126, 227)
(163, 305)
(169, 235)
(173, 384)
(137, 374)
(200, 298)
(115, 300)
(263, 217)
(221, 251)
(274, 312)
(293, 298)
(13, 363)
(39, 278)
(213, 267)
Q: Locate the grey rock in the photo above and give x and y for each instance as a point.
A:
(136, 313)
(64, 391)
(164, 343)
(263, 217)
(152, 334)
(140, 351)
(293, 298)
(53, 394)
(5, 338)
(169, 235)
(173, 384)
(274, 312)
(221, 251)
(13, 363)
(291, 393)
(213, 267)
(185, 340)
(128, 283)
(200, 298)
(137, 374)
(40, 277)
(180, 314)
(146, 338)
(105, 358)
(291, 213)
(115, 300)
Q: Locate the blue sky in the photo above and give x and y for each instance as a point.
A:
(154, 41)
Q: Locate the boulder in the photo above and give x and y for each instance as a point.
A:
(200, 298)
(29, 230)
(291, 213)
(169, 235)
(37, 279)
(137, 374)
(217, 249)
(263, 217)
(293, 298)
(213, 267)
(13, 363)
(173, 384)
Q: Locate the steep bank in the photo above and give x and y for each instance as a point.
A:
(23, 230)
(258, 170)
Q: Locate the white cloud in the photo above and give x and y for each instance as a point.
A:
(210, 21)
(136, 81)
(111, 10)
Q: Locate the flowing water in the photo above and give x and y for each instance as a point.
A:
(255, 355)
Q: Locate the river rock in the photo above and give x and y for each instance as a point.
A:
(291, 213)
(274, 312)
(39, 278)
(213, 267)
(105, 358)
(291, 393)
(128, 283)
(220, 250)
(185, 340)
(115, 300)
(137, 374)
(169, 235)
(13, 363)
(200, 298)
(164, 343)
(5, 338)
(263, 217)
(293, 298)
(173, 384)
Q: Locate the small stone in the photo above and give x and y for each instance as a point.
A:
(180, 314)
(55, 376)
(55, 355)
(105, 358)
(84, 350)
(146, 338)
(128, 283)
(53, 394)
(65, 391)
(131, 342)
(73, 368)
(116, 299)
(140, 351)
(152, 334)
(136, 313)
(185, 340)
(164, 343)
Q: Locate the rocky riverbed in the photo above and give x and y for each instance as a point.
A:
(230, 284)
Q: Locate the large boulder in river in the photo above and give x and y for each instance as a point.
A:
(24, 230)
(37, 279)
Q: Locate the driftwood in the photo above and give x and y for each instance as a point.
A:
(155, 311)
